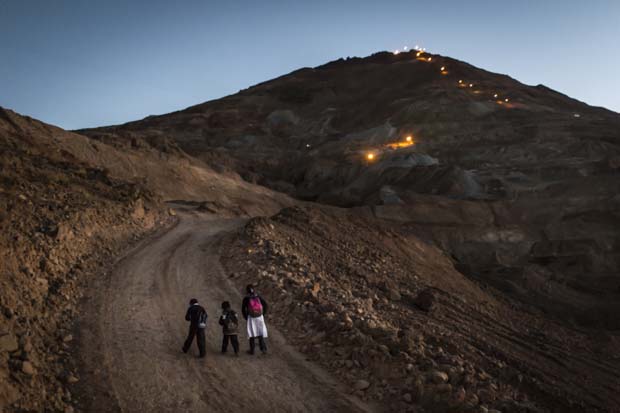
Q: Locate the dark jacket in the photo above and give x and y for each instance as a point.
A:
(193, 314)
(230, 323)
(246, 300)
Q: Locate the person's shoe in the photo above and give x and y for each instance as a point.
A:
(250, 352)
(183, 350)
(237, 354)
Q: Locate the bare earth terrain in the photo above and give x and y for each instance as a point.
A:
(431, 236)
(132, 349)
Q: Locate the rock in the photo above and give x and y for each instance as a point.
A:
(72, 379)
(394, 295)
(407, 397)
(171, 212)
(8, 343)
(315, 289)
(27, 368)
(362, 385)
(43, 284)
(486, 395)
(417, 390)
(8, 393)
(425, 299)
(438, 377)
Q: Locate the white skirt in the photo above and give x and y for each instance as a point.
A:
(257, 327)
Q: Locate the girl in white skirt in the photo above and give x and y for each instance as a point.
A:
(254, 309)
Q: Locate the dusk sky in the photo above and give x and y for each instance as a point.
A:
(91, 63)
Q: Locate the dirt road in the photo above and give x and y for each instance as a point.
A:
(131, 359)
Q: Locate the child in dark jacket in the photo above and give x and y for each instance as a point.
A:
(230, 327)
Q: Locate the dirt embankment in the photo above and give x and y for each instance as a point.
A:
(351, 292)
(61, 222)
(68, 205)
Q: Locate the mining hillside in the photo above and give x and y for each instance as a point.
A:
(430, 237)
(518, 184)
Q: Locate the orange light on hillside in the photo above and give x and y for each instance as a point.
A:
(403, 144)
(429, 59)
(442, 68)
(460, 82)
(471, 85)
(495, 96)
(506, 100)
(370, 156)
(418, 54)
(395, 52)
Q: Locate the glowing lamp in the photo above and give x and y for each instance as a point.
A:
(506, 100)
(471, 85)
(408, 138)
(396, 52)
(460, 81)
(442, 68)
(495, 95)
(429, 59)
(370, 156)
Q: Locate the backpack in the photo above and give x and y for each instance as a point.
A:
(202, 320)
(255, 307)
(231, 322)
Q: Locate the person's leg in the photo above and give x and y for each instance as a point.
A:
(262, 344)
(201, 342)
(190, 338)
(224, 343)
(252, 345)
(235, 343)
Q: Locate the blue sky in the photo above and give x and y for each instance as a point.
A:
(91, 63)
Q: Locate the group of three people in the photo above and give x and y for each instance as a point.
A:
(253, 308)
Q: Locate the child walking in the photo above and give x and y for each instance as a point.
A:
(230, 327)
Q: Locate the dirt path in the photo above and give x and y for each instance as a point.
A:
(131, 359)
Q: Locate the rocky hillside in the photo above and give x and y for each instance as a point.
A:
(519, 184)
(388, 314)
(68, 206)
(61, 219)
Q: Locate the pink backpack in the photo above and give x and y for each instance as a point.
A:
(255, 307)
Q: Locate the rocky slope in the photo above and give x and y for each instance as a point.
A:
(389, 314)
(518, 183)
(68, 206)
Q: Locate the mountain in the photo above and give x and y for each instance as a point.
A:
(519, 184)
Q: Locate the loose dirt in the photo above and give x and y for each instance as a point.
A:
(133, 328)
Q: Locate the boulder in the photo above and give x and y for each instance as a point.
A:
(27, 368)
(8, 343)
(362, 385)
(425, 299)
(438, 377)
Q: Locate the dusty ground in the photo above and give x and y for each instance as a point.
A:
(131, 350)
(348, 286)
